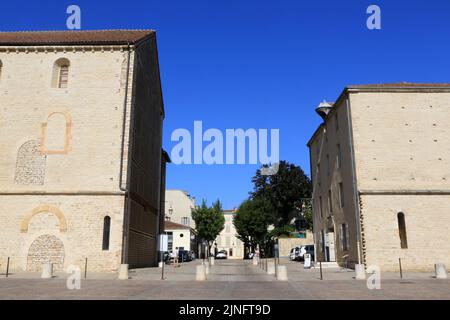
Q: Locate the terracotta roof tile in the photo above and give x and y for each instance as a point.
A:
(91, 37)
(169, 225)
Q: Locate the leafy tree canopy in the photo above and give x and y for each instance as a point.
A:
(285, 191)
(252, 220)
(209, 221)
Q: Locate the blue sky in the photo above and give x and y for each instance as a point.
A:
(261, 64)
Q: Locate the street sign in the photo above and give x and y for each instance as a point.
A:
(307, 264)
(163, 242)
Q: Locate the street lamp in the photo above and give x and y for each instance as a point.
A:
(168, 218)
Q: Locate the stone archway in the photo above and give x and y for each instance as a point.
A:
(46, 249)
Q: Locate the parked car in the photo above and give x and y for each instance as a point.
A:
(184, 256)
(249, 255)
(222, 254)
(295, 254)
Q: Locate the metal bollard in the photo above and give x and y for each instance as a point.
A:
(7, 268)
(321, 275)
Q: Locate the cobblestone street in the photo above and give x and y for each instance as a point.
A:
(228, 279)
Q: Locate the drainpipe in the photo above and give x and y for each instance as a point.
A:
(125, 189)
(354, 182)
(312, 205)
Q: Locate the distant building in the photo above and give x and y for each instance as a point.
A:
(81, 116)
(228, 240)
(178, 207)
(380, 164)
(181, 237)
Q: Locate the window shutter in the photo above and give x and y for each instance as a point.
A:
(63, 76)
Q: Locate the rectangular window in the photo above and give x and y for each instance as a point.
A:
(328, 165)
(330, 202)
(339, 156)
(322, 241)
(318, 174)
(106, 233)
(63, 76)
(170, 241)
(185, 221)
(320, 207)
(341, 194)
(344, 237)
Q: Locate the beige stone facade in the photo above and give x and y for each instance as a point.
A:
(178, 207)
(81, 154)
(285, 245)
(380, 169)
(227, 240)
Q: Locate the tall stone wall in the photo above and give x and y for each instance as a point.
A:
(61, 156)
(64, 230)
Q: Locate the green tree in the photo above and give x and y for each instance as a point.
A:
(209, 221)
(308, 214)
(284, 191)
(252, 220)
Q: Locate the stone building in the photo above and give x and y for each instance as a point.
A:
(81, 116)
(380, 164)
(178, 207)
(227, 240)
(181, 236)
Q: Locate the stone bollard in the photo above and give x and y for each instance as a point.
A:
(439, 268)
(255, 261)
(212, 261)
(200, 274)
(360, 272)
(123, 272)
(270, 267)
(47, 271)
(282, 273)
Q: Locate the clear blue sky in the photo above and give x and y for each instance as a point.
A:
(261, 64)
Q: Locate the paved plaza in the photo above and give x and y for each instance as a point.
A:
(227, 279)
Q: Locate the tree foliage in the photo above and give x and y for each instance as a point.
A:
(252, 220)
(209, 221)
(285, 191)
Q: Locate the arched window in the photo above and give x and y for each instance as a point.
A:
(106, 232)
(402, 230)
(61, 73)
